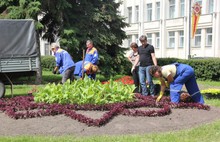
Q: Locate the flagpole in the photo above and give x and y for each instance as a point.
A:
(189, 56)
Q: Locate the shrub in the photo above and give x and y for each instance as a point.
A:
(48, 62)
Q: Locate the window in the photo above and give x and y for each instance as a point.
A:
(171, 40)
(47, 49)
(157, 40)
(129, 40)
(182, 7)
(171, 8)
(149, 12)
(209, 37)
(200, 3)
(129, 14)
(137, 13)
(210, 6)
(198, 38)
(136, 39)
(181, 39)
(157, 11)
(149, 38)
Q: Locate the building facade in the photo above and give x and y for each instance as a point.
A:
(167, 24)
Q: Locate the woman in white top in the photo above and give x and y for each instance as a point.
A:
(132, 57)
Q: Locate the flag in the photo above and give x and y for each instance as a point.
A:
(195, 17)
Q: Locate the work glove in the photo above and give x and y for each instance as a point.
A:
(54, 71)
(160, 96)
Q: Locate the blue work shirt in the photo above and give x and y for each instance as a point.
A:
(63, 60)
(92, 55)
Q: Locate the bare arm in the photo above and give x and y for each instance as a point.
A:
(169, 79)
(136, 61)
(129, 58)
(154, 58)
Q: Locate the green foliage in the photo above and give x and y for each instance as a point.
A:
(166, 61)
(48, 62)
(85, 91)
(22, 9)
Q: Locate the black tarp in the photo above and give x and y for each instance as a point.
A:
(17, 38)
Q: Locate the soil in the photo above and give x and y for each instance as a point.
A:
(61, 125)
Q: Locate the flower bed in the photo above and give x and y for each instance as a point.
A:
(211, 93)
(23, 107)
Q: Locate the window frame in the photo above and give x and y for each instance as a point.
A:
(208, 35)
(157, 11)
(198, 36)
(149, 12)
(137, 13)
(129, 14)
(149, 38)
(181, 38)
(157, 39)
(182, 8)
(171, 38)
(171, 9)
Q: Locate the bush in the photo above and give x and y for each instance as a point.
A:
(48, 62)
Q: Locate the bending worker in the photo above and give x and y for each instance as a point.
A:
(177, 75)
(89, 69)
(64, 62)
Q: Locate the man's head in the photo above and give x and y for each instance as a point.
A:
(155, 71)
(54, 47)
(143, 40)
(89, 44)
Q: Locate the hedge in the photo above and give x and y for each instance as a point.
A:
(205, 69)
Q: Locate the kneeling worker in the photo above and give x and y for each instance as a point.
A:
(177, 75)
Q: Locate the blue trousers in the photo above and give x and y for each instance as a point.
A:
(143, 76)
(185, 75)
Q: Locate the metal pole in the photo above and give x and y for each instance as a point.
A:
(189, 56)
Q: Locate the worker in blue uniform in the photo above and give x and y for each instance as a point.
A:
(64, 62)
(177, 75)
(89, 69)
(91, 55)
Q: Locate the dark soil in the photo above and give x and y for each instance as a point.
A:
(61, 125)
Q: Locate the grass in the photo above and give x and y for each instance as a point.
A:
(209, 132)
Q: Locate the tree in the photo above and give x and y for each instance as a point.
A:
(75, 21)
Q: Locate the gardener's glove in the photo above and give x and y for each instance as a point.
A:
(160, 96)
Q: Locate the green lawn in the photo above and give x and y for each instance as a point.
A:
(209, 132)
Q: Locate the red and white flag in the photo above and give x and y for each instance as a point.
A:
(195, 17)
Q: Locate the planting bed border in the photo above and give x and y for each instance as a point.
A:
(23, 107)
